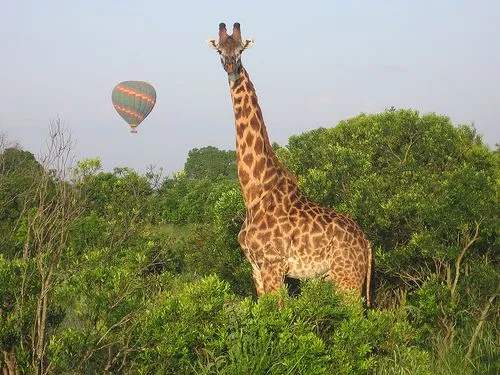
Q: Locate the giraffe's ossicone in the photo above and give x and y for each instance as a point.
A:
(284, 233)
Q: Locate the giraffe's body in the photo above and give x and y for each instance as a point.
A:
(284, 233)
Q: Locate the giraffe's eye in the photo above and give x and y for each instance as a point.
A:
(219, 51)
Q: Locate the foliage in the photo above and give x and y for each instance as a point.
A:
(112, 272)
(444, 199)
(184, 200)
(316, 333)
(210, 163)
(19, 171)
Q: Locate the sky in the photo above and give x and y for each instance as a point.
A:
(313, 64)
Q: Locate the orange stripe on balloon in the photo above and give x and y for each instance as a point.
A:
(137, 94)
(129, 112)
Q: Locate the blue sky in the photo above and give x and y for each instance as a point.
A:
(314, 63)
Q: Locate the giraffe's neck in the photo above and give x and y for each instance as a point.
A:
(258, 168)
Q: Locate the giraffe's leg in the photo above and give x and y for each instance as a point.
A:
(272, 274)
(257, 279)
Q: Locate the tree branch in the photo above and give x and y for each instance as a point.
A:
(479, 325)
(462, 254)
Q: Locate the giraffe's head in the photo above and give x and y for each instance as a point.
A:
(230, 48)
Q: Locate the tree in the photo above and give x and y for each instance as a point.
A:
(185, 200)
(50, 205)
(121, 200)
(426, 193)
(19, 171)
(210, 162)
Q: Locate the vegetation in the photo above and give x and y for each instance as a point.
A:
(117, 272)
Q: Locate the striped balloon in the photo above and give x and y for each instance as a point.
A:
(133, 100)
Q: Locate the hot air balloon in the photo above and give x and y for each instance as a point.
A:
(133, 100)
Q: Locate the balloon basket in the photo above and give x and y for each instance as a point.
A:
(133, 131)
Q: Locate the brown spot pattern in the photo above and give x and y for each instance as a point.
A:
(248, 159)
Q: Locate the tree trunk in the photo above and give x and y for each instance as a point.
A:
(9, 364)
(479, 326)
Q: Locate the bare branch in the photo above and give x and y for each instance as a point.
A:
(49, 209)
(468, 244)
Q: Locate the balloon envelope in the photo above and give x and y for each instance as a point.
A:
(133, 100)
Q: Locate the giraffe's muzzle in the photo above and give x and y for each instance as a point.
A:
(232, 68)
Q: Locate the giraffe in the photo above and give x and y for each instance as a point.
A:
(284, 233)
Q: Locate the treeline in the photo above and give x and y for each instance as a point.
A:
(120, 272)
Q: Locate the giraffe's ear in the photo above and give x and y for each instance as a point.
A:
(213, 43)
(248, 43)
